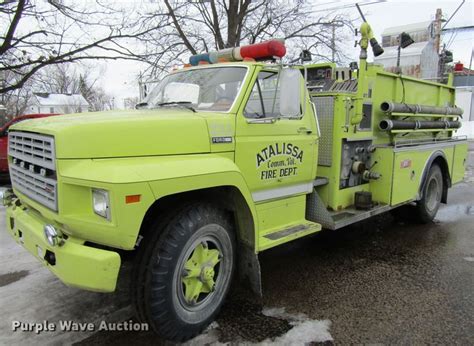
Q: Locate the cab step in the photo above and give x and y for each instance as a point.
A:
(287, 233)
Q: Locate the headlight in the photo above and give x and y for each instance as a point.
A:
(52, 236)
(100, 203)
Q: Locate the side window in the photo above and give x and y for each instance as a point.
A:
(264, 99)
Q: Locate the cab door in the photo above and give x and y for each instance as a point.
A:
(276, 155)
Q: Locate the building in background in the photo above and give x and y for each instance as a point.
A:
(464, 83)
(420, 59)
(57, 103)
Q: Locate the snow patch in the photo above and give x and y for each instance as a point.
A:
(469, 259)
(304, 330)
(210, 336)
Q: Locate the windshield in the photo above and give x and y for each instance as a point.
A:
(210, 89)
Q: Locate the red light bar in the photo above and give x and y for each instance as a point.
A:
(258, 51)
(263, 50)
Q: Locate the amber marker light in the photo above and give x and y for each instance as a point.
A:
(132, 199)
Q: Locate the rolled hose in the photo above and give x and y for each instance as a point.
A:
(389, 107)
(388, 125)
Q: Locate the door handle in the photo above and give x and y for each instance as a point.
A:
(305, 130)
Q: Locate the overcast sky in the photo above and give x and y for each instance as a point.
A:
(120, 76)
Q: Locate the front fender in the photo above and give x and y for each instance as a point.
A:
(165, 175)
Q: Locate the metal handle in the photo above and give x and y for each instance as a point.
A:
(305, 130)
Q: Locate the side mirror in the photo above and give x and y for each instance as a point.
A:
(290, 92)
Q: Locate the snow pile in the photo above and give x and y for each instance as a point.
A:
(304, 329)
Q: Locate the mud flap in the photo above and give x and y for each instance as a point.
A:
(249, 269)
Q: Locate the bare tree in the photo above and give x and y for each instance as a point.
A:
(36, 33)
(17, 100)
(130, 102)
(39, 34)
(189, 27)
(65, 79)
(59, 79)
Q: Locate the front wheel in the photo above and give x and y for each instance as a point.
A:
(429, 204)
(189, 272)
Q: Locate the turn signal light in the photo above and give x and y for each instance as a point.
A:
(132, 199)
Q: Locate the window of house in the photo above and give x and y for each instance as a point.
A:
(51, 110)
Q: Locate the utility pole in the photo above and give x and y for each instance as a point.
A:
(437, 29)
(333, 26)
(333, 43)
(437, 43)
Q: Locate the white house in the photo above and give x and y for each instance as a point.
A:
(57, 103)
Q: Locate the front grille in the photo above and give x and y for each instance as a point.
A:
(32, 166)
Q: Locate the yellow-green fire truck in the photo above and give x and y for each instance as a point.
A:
(224, 160)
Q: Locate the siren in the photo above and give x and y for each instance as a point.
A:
(258, 51)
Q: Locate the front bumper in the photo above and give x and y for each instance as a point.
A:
(73, 263)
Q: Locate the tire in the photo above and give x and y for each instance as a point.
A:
(184, 272)
(429, 204)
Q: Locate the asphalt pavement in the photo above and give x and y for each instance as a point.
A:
(385, 280)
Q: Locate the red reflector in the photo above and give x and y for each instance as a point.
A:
(263, 50)
(132, 199)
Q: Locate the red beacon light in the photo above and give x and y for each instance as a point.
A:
(458, 67)
(259, 51)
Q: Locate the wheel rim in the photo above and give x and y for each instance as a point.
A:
(199, 274)
(203, 272)
(433, 196)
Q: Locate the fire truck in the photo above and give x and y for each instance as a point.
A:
(232, 155)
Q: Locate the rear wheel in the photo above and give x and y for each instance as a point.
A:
(187, 274)
(429, 204)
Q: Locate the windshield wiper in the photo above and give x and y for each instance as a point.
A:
(141, 104)
(185, 104)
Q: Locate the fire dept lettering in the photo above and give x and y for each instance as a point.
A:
(279, 160)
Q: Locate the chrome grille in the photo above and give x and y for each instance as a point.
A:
(32, 166)
(32, 148)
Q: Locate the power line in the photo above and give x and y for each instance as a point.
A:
(366, 3)
(457, 9)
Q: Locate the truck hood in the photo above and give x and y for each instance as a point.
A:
(124, 133)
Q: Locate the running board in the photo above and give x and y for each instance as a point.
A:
(288, 233)
(317, 212)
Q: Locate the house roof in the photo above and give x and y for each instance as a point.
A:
(47, 99)
(394, 30)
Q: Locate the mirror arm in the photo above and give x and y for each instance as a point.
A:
(276, 89)
(261, 96)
